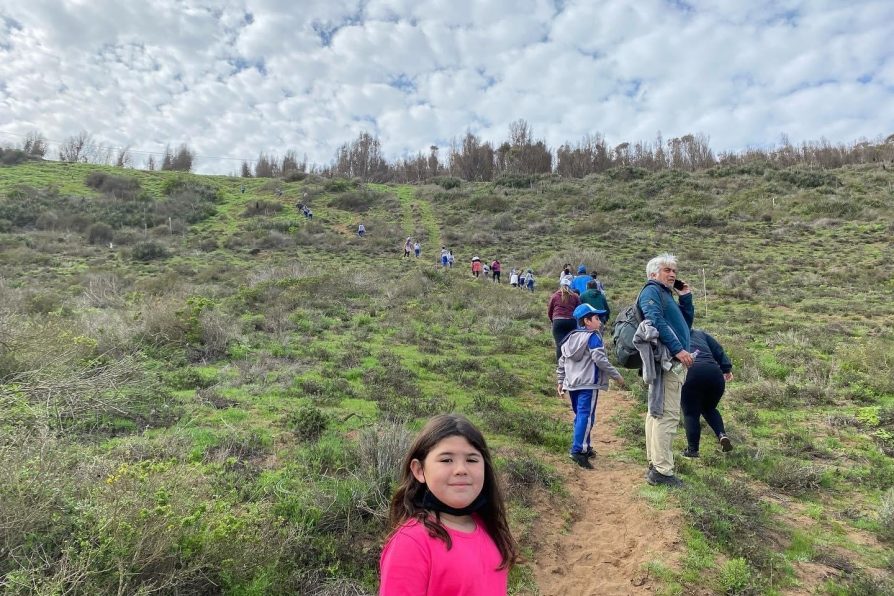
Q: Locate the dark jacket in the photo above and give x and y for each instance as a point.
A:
(672, 320)
(710, 352)
(597, 300)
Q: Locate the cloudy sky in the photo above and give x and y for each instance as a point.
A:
(232, 78)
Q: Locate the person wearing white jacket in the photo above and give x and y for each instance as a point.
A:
(583, 370)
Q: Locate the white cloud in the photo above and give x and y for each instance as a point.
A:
(237, 77)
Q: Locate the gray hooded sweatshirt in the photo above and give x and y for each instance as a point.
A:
(583, 363)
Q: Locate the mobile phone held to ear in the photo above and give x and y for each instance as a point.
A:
(679, 285)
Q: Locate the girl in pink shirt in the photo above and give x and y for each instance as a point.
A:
(450, 536)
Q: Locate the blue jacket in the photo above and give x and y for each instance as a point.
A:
(672, 320)
(580, 282)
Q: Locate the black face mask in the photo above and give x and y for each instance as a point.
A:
(432, 503)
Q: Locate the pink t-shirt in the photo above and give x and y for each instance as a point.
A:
(415, 564)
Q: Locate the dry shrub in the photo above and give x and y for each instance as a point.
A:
(103, 290)
(594, 261)
(381, 449)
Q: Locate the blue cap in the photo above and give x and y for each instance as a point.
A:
(581, 268)
(585, 310)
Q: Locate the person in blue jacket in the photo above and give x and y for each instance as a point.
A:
(672, 320)
(579, 283)
(705, 383)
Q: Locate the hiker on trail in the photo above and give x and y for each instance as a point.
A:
(566, 274)
(530, 282)
(599, 285)
(476, 267)
(417, 248)
(705, 383)
(242, 189)
(513, 278)
(561, 314)
(485, 268)
(449, 529)
(408, 245)
(361, 230)
(495, 269)
(583, 369)
(450, 259)
(579, 283)
(666, 372)
(595, 298)
(522, 278)
(444, 256)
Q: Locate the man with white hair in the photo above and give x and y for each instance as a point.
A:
(673, 321)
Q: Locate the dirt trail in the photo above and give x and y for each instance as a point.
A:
(613, 532)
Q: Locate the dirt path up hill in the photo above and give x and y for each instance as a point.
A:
(613, 533)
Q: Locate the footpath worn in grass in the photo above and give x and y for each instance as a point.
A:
(201, 389)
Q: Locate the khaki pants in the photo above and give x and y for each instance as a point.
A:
(660, 431)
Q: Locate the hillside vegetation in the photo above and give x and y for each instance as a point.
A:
(202, 391)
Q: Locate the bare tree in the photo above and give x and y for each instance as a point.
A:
(150, 163)
(124, 159)
(75, 148)
(35, 144)
(246, 170)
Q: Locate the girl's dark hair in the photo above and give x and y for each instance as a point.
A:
(409, 492)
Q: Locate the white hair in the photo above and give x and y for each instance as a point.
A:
(655, 265)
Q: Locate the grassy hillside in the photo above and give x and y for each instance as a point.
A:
(201, 390)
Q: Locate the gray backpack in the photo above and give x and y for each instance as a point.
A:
(623, 331)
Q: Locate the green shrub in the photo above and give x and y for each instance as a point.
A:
(735, 577)
(308, 423)
(448, 182)
(338, 185)
(261, 207)
(99, 233)
(121, 187)
(148, 251)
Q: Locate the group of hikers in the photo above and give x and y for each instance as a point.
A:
(685, 368)
(449, 528)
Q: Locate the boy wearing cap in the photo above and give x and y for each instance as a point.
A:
(579, 283)
(583, 370)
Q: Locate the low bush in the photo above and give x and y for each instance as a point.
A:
(338, 185)
(148, 251)
(886, 516)
(308, 423)
(100, 233)
(121, 187)
(448, 182)
(261, 207)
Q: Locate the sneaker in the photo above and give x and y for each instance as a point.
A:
(655, 478)
(590, 453)
(581, 460)
(690, 453)
(725, 444)
(649, 471)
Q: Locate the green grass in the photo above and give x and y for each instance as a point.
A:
(268, 345)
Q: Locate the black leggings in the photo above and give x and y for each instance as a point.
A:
(700, 396)
(561, 329)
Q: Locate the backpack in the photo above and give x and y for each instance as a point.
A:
(624, 329)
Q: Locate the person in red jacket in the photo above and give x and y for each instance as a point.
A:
(561, 313)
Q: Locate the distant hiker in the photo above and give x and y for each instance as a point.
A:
(310, 214)
(705, 383)
(513, 278)
(599, 285)
(450, 258)
(595, 298)
(361, 230)
(408, 245)
(417, 248)
(495, 267)
(560, 311)
(242, 189)
(449, 533)
(279, 192)
(566, 274)
(583, 369)
(530, 281)
(579, 283)
(476, 267)
(445, 256)
(669, 339)
(485, 268)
